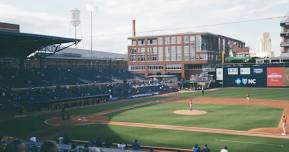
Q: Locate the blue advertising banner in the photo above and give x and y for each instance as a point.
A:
(246, 77)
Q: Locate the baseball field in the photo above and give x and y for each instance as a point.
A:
(226, 118)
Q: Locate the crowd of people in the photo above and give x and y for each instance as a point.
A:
(64, 144)
(16, 78)
(205, 148)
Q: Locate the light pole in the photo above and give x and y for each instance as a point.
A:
(91, 13)
(90, 8)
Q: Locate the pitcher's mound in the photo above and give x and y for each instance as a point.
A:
(190, 112)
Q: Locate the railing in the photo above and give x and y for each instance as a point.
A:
(284, 43)
(143, 148)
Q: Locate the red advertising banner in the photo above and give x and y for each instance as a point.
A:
(286, 77)
(275, 77)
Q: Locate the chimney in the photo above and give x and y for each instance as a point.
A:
(133, 28)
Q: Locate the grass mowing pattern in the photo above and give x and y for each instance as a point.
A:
(255, 93)
(235, 117)
(168, 138)
(29, 125)
(179, 139)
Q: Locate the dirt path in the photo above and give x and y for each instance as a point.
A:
(100, 118)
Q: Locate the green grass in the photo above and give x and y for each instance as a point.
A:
(177, 139)
(255, 93)
(234, 117)
(33, 125)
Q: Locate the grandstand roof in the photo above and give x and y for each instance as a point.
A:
(20, 45)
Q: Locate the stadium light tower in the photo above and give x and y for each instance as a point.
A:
(91, 9)
(75, 20)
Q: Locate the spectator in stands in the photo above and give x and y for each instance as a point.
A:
(60, 140)
(73, 148)
(49, 146)
(121, 146)
(107, 143)
(196, 148)
(92, 143)
(205, 148)
(135, 145)
(225, 149)
(16, 146)
(86, 148)
(21, 147)
(10, 147)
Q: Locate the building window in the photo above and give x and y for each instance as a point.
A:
(155, 42)
(192, 52)
(179, 53)
(179, 40)
(140, 42)
(203, 56)
(186, 53)
(160, 41)
(134, 42)
(160, 54)
(198, 42)
(133, 51)
(142, 50)
(174, 67)
(173, 53)
(192, 39)
(136, 68)
(173, 40)
(151, 41)
(168, 53)
(155, 67)
(186, 39)
(167, 40)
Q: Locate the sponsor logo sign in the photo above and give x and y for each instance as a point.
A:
(258, 70)
(245, 71)
(275, 76)
(245, 81)
(233, 71)
(219, 73)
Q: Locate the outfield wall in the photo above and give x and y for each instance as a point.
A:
(253, 76)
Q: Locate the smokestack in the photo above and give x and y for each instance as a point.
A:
(133, 28)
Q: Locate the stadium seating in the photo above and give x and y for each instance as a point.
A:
(51, 85)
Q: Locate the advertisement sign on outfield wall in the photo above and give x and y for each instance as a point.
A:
(247, 77)
(245, 71)
(219, 74)
(277, 77)
(233, 71)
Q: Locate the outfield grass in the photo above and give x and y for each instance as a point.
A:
(177, 139)
(255, 93)
(32, 125)
(236, 117)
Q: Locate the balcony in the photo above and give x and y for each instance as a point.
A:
(284, 33)
(284, 44)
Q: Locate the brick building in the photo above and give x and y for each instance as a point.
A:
(183, 54)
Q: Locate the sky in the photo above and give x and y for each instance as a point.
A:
(112, 19)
